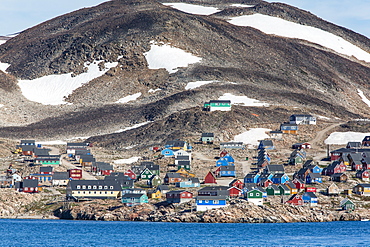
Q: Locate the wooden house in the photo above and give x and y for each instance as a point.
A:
(131, 174)
(154, 181)
(48, 160)
(133, 199)
(266, 144)
(93, 189)
(355, 161)
(299, 184)
(44, 179)
(40, 152)
(251, 178)
(178, 145)
(214, 191)
(362, 189)
(87, 161)
(133, 191)
(179, 196)
(310, 198)
(235, 192)
(332, 190)
(185, 173)
(75, 174)
(301, 173)
(184, 164)
(273, 190)
(218, 105)
(302, 119)
(296, 200)
(182, 152)
(335, 167)
(365, 163)
(366, 141)
(60, 178)
(236, 183)
(296, 158)
(163, 188)
(292, 187)
(347, 204)
(279, 178)
(339, 177)
(364, 175)
(226, 171)
(354, 145)
(102, 168)
(255, 196)
(28, 143)
(27, 150)
(204, 203)
(72, 147)
(210, 178)
(207, 138)
(30, 185)
(301, 145)
(288, 128)
(284, 190)
(265, 182)
(188, 183)
(181, 158)
(313, 178)
(172, 178)
(6, 181)
(46, 170)
(146, 174)
(274, 169)
(167, 152)
(154, 194)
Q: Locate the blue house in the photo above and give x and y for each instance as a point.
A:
(191, 182)
(310, 197)
(226, 171)
(222, 162)
(167, 152)
(316, 169)
(264, 176)
(229, 159)
(266, 144)
(279, 178)
(251, 178)
(313, 178)
(204, 203)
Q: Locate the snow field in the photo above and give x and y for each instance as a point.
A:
(169, 58)
(128, 98)
(132, 127)
(242, 100)
(126, 161)
(280, 27)
(252, 136)
(192, 8)
(195, 84)
(363, 97)
(52, 89)
(342, 138)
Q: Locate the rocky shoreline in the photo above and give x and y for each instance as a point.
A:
(239, 211)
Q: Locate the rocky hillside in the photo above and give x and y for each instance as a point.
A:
(290, 74)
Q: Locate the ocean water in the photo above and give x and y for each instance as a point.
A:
(18, 232)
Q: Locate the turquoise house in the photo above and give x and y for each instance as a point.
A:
(132, 199)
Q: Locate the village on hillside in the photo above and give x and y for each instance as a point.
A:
(205, 172)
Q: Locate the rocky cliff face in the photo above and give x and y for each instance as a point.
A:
(239, 211)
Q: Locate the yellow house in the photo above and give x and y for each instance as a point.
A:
(292, 187)
(155, 194)
(93, 189)
(185, 173)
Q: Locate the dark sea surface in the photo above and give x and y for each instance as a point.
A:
(18, 232)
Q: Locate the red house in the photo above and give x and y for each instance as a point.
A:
(295, 200)
(265, 183)
(335, 167)
(310, 189)
(129, 173)
(30, 185)
(75, 174)
(237, 183)
(210, 179)
(304, 145)
(364, 175)
(234, 192)
(299, 184)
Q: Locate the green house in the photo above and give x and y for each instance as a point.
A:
(207, 138)
(255, 196)
(154, 181)
(284, 190)
(218, 105)
(48, 160)
(146, 174)
(347, 204)
(132, 199)
(273, 190)
(183, 164)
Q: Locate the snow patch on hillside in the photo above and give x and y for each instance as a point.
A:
(154, 90)
(342, 138)
(252, 137)
(57, 142)
(363, 97)
(195, 84)
(169, 58)
(242, 100)
(126, 161)
(280, 27)
(53, 89)
(193, 9)
(242, 5)
(128, 98)
(132, 127)
(4, 66)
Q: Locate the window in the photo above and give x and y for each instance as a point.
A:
(94, 187)
(83, 186)
(100, 187)
(111, 187)
(78, 187)
(206, 201)
(105, 187)
(216, 202)
(111, 192)
(89, 187)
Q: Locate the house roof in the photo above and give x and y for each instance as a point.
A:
(220, 101)
(219, 197)
(207, 135)
(74, 183)
(163, 187)
(284, 187)
(213, 188)
(227, 168)
(354, 144)
(364, 185)
(310, 194)
(60, 176)
(273, 186)
(335, 175)
(314, 175)
(27, 141)
(132, 195)
(39, 151)
(173, 175)
(275, 168)
(267, 143)
(182, 157)
(175, 143)
(30, 183)
(104, 166)
(46, 169)
(178, 192)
